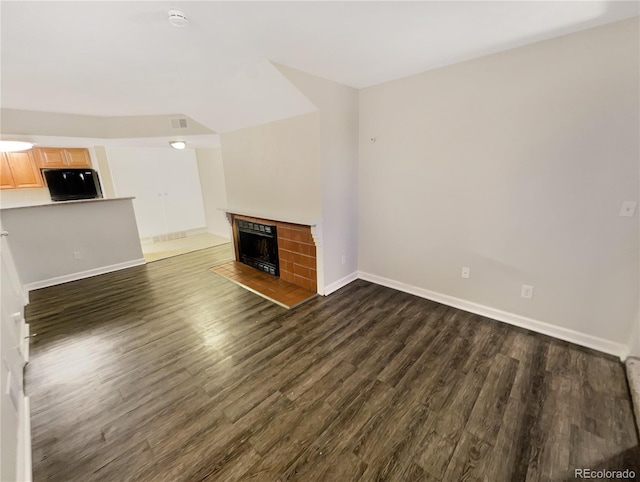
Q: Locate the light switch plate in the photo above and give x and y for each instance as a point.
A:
(628, 208)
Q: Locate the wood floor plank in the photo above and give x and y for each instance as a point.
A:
(487, 414)
(465, 463)
(397, 429)
(339, 436)
(168, 372)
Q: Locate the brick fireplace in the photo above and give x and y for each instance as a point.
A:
(297, 252)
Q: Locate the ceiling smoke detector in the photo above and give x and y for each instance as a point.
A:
(178, 18)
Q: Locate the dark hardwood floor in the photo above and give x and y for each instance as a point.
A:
(169, 372)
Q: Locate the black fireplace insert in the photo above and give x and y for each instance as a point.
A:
(258, 246)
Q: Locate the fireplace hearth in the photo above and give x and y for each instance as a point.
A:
(258, 246)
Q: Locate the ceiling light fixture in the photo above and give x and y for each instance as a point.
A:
(177, 18)
(178, 144)
(15, 146)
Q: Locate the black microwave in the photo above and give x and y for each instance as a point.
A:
(72, 184)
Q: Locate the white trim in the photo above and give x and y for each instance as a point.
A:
(173, 236)
(271, 217)
(336, 285)
(23, 470)
(634, 341)
(318, 239)
(600, 344)
(84, 274)
(223, 235)
(624, 354)
(24, 341)
(196, 231)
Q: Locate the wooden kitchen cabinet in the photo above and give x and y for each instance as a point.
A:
(49, 157)
(61, 157)
(77, 157)
(19, 171)
(6, 178)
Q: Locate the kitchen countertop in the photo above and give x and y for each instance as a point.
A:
(63, 203)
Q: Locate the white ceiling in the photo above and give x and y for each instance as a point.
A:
(122, 58)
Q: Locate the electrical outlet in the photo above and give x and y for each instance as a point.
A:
(527, 292)
(77, 255)
(466, 271)
(628, 208)
(344, 259)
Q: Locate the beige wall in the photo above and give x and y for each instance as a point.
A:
(634, 339)
(214, 191)
(338, 111)
(303, 168)
(273, 170)
(515, 165)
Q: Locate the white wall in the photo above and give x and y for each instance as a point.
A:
(43, 240)
(273, 170)
(338, 110)
(166, 185)
(214, 191)
(15, 439)
(515, 165)
(34, 123)
(102, 165)
(19, 197)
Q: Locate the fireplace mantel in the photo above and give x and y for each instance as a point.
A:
(305, 221)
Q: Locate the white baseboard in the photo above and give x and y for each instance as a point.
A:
(600, 344)
(84, 274)
(23, 470)
(634, 342)
(224, 235)
(197, 231)
(336, 285)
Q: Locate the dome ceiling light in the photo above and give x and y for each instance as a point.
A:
(178, 144)
(15, 146)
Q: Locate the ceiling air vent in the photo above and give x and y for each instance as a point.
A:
(179, 123)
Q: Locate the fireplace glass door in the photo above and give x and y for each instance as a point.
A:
(258, 246)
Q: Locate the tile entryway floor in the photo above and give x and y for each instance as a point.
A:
(167, 249)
